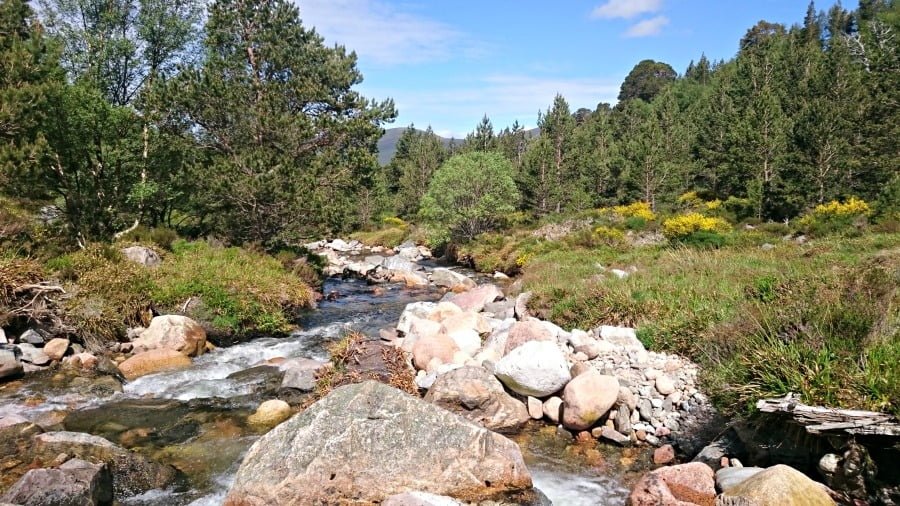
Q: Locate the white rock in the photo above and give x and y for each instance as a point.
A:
(417, 309)
(536, 368)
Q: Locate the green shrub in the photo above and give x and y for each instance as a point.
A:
(160, 236)
(704, 239)
(469, 195)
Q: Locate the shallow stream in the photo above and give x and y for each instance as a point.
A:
(195, 419)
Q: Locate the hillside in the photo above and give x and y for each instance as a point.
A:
(387, 145)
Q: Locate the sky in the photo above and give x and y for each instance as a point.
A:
(448, 63)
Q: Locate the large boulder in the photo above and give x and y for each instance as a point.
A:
(476, 298)
(365, 442)
(75, 483)
(477, 395)
(624, 337)
(33, 355)
(465, 329)
(142, 255)
(682, 485)
(10, 364)
(779, 486)
(132, 473)
(729, 477)
(419, 328)
(153, 361)
(537, 368)
(527, 331)
(174, 332)
(588, 397)
(451, 279)
(397, 263)
(420, 499)
(414, 310)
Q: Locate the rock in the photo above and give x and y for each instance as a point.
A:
(75, 483)
(521, 307)
(32, 355)
(409, 278)
(419, 328)
(729, 477)
(83, 360)
(664, 455)
(131, 472)
(782, 486)
(339, 245)
(444, 310)
(627, 398)
(174, 332)
(579, 368)
(420, 499)
(3, 339)
(553, 409)
(681, 485)
(535, 408)
(624, 337)
(366, 442)
(476, 298)
(270, 413)
(397, 264)
(451, 279)
(142, 255)
(438, 346)
(300, 373)
(10, 364)
(726, 444)
(665, 385)
(537, 368)
(361, 269)
(588, 397)
(56, 348)
(526, 331)
(465, 329)
(153, 361)
(610, 434)
(478, 396)
(32, 337)
(416, 309)
(623, 419)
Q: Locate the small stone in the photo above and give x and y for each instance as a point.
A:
(614, 436)
(641, 435)
(663, 455)
(724, 462)
(535, 408)
(584, 437)
(656, 403)
(736, 463)
(270, 413)
(663, 432)
(552, 409)
(665, 385)
(56, 348)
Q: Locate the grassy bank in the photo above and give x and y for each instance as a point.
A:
(233, 291)
(820, 319)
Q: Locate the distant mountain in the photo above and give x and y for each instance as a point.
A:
(387, 145)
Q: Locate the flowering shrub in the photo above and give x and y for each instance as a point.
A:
(690, 199)
(608, 234)
(635, 210)
(393, 221)
(713, 205)
(835, 216)
(523, 259)
(682, 226)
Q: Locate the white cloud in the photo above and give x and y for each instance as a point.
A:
(503, 97)
(648, 27)
(626, 8)
(384, 34)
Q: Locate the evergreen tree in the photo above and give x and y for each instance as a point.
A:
(290, 144)
(646, 80)
(482, 139)
(29, 77)
(418, 156)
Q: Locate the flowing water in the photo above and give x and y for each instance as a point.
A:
(195, 419)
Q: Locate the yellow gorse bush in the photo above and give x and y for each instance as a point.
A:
(609, 234)
(851, 207)
(686, 224)
(393, 221)
(713, 205)
(635, 210)
(690, 199)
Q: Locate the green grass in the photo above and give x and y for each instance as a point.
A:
(819, 319)
(234, 291)
(388, 237)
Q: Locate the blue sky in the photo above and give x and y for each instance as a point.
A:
(448, 63)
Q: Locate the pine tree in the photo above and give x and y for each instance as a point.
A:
(289, 143)
(29, 75)
(482, 139)
(419, 154)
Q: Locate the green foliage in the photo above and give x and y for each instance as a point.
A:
(288, 145)
(159, 236)
(646, 80)
(239, 291)
(469, 195)
(418, 156)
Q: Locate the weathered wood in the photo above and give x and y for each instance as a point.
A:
(822, 420)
